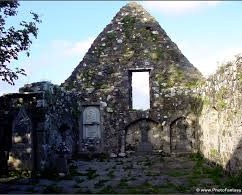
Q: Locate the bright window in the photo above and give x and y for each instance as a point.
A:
(140, 90)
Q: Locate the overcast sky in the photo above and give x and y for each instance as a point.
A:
(206, 32)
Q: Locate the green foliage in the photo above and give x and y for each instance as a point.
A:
(13, 41)
(196, 105)
(213, 152)
(203, 170)
(220, 97)
(234, 181)
(157, 54)
(111, 36)
(128, 24)
(176, 75)
(171, 77)
(239, 77)
(128, 54)
(221, 104)
(216, 173)
(195, 83)
(223, 67)
(198, 158)
(206, 101)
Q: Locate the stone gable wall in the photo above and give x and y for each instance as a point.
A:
(134, 41)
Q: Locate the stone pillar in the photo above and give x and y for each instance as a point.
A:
(122, 150)
(5, 141)
(40, 135)
(38, 150)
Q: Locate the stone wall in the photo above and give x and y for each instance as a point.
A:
(221, 118)
(40, 117)
(20, 119)
(92, 110)
(134, 41)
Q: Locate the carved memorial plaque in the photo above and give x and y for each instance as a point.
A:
(91, 122)
(92, 131)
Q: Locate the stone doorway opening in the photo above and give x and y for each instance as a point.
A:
(144, 136)
(181, 136)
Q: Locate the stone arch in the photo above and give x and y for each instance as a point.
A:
(139, 119)
(143, 130)
(21, 153)
(180, 135)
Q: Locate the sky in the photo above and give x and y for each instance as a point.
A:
(140, 90)
(207, 33)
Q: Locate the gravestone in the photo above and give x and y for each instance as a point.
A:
(91, 122)
(91, 135)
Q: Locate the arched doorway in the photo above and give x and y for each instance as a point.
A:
(144, 135)
(180, 135)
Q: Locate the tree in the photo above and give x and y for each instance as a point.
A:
(13, 41)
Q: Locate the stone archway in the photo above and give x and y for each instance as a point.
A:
(180, 136)
(21, 153)
(144, 135)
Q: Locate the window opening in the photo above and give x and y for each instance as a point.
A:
(140, 90)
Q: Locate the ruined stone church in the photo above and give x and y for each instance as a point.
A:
(134, 42)
(92, 111)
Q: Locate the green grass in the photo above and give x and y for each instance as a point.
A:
(75, 172)
(120, 163)
(130, 166)
(203, 170)
(123, 183)
(52, 189)
(148, 188)
(91, 174)
(100, 183)
(31, 190)
(234, 181)
(177, 173)
(107, 190)
(111, 174)
(79, 180)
